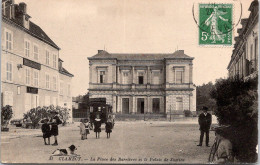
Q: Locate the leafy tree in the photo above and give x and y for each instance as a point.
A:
(6, 115)
(236, 101)
(204, 98)
(63, 114)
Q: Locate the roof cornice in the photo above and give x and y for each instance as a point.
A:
(27, 31)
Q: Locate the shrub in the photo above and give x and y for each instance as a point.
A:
(36, 114)
(63, 114)
(187, 113)
(6, 115)
(237, 106)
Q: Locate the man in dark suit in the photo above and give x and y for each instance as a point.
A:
(205, 120)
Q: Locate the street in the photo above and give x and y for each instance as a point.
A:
(130, 142)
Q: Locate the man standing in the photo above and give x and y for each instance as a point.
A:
(205, 120)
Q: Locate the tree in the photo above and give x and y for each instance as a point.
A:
(6, 115)
(236, 101)
(63, 114)
(204, 98)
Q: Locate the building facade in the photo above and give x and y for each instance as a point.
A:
(143, 83)
(30, 66)
(244, 59)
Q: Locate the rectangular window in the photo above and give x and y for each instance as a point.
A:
(8, 40)
(27, 48)
(68, 89)
(27, 76)
(61, 88)
(54, 82)
(47, 100)
(156, 75)
(9, 71)
(179, 72)
(36, 52)
(125, 77)
(47, 56)
(47, 80)
(179, 103)
(140, 78)
(8, 98)
(36, 78)
(102, 77)
(55, 61)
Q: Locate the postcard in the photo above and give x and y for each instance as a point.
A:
(129, 81)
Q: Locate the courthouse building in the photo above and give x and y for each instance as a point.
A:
(143, 83)
(244, 59)
(32, 72)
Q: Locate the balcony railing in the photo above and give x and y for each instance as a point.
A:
(100, 85)
(180, 86)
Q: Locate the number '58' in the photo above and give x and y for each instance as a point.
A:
(204, 36)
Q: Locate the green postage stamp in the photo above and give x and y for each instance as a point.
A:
(215, 24)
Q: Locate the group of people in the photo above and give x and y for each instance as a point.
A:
(85, 127)
(50, 128)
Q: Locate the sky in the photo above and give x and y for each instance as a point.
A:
(82, 27)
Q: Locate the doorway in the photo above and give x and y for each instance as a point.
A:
(140, 105)
(156, 105)
(125, 105)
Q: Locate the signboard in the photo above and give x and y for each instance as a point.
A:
(102, 100)
(32, 90)
(31, 64)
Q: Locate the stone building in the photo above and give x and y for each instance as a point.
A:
(244, 59)
(143, 83)
(32, 71)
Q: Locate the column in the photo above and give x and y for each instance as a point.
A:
(114, 103)
(167, 76)
(134, 105)
(133, 77)
(90, 75)
(148, 77)
(190, 76)
(148, 104)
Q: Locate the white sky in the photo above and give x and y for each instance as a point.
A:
(81, 27)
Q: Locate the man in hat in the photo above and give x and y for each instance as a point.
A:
(205, 120)
(55, 121)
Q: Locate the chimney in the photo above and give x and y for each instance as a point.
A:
(100, 51)
(181, 51)
(25, 17)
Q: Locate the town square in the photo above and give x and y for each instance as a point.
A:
(129, 81)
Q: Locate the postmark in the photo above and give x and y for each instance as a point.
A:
(215, 24)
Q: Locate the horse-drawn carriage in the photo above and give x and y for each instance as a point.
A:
(98, 107)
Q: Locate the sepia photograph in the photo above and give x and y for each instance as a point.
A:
(129, 81)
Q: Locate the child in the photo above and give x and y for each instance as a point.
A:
(46, 130)
(84, 128)
(108, 127)
(97, 125)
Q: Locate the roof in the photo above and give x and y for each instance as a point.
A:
(65, 72)
(33, 30)
(141, 56)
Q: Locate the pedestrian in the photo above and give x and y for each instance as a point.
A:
(46, 130)
(97, 126)
(84, 128)
(55, 121)
(109, 126)
(205, 120)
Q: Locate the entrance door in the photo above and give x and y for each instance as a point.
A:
(140, 105)
(125, 105)
(156, 105)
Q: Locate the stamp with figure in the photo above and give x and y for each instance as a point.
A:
(215, 24)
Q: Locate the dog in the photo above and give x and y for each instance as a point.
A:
(68, 151)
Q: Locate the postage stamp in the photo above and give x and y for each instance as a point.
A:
(215, 24)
